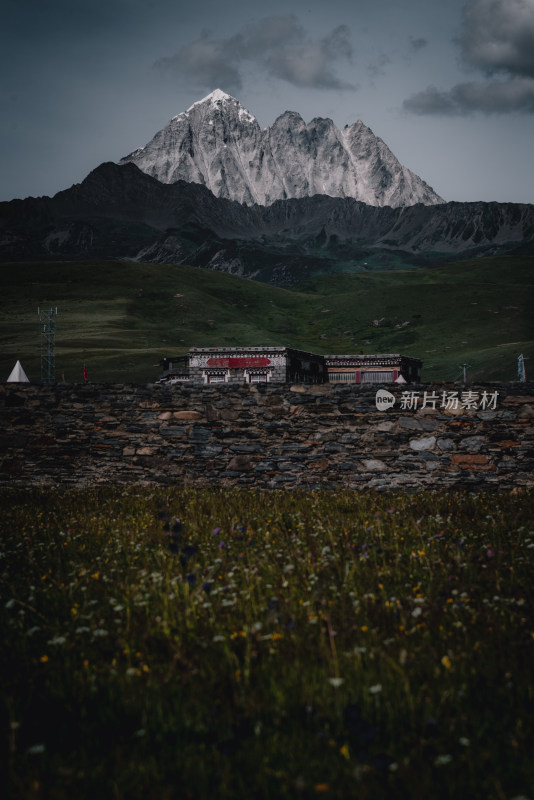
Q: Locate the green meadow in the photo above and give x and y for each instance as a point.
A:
(122, 318)
(170, 643)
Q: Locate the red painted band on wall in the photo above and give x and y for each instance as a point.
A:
(253, 361)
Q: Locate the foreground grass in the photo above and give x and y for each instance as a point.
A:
(208, 644)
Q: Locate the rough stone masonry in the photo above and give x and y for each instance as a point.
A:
(268, 436)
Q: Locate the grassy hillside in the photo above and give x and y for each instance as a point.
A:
(121, 318)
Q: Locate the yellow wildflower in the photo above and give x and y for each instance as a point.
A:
(345, 751)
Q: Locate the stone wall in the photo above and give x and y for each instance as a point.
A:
(266, 436)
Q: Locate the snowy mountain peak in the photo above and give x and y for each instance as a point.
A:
(217, 96)
(219, 144)
(221, 102)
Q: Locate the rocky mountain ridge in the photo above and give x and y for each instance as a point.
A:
(217, 143)
(119, 212)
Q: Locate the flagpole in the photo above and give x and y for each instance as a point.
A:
(521, 372)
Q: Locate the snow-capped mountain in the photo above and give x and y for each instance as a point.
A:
(219, 144)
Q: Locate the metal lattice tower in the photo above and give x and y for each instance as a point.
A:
(47, 319)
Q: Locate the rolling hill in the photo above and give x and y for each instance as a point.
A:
(121, 318)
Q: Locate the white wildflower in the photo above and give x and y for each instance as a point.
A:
(335, 682)
(58, 640)
(36, 749)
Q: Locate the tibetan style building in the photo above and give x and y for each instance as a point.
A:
(255, 365)
(206, 365)
(386, 368)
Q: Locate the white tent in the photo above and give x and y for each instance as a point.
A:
(18, 375)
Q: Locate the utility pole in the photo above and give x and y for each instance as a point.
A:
(47, 320)
(464, 367)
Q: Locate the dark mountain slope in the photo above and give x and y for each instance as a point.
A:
(120, 212)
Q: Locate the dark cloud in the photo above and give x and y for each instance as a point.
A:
(205, 62)
(494, 97)
(378, 67)
(278, 44)
(497, 38)
(418, 43)
(430, 101)
(309, 64)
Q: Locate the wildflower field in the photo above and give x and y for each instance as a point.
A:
(170, 643)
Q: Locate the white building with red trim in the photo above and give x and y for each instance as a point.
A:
(276, 364)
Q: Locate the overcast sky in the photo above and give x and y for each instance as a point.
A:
(447, 84)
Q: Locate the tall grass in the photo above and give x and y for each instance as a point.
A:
(163, 643)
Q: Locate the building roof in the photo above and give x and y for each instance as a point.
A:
(397, 357)
(268, 348)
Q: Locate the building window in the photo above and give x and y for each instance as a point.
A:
(378, 376)
(261, 376)
(215, 377)
(342, 377)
